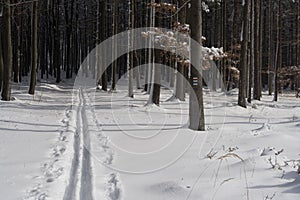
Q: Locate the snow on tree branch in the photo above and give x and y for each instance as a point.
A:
(178, 42)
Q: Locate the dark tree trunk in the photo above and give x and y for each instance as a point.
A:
(278, 50)
(34, 48)
(7, 53)
(56, 49)
(271, 48)
(16, 65)
(69, 8)
(115, 64)
(224, 44)
(257, 62)
(196, 109)
(157, 68)
(131, 45)
(1, 62)
(180, 89)
(244, 61)
(102, 54)
(252, 51)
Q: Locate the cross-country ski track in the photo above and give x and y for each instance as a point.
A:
(80, 186)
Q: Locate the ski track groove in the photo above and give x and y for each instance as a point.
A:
(86, 173)
(81, 136)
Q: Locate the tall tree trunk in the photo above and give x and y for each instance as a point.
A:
(102, 79)
(257, 62)
(271, 48)
(278, 50)
(21, 46)
(215, 43)
(42, 56)
(180, 89)
(1, 62)
(157, 68)
(67, 40)
(56, 49)
(7, 53)
(131, 46)
(244, 62)
(16, 65)
(298, 34)
(252, 51)
(115, 64)
(137, 71)
(261, 46)
(196, 109)
(34, 48)
(224, 44)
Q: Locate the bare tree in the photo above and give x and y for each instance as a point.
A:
(34, 62)
(180, 90)
(157, 69)
(196, 110)
(102, 79)
(271, 47)
(1, 62)
(115, 64)
(7, 53)
(278, 50)
(244, 56)
(257, 51)
(131, 54)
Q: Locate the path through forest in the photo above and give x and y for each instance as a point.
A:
(81, 158)
(81, 175)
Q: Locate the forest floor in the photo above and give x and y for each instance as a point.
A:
(85, 144)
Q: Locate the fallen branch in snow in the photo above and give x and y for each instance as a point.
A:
(231, 155)
(211, 154)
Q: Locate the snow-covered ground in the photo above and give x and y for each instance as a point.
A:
(89, 144)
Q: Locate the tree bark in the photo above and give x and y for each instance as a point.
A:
(180, 89)
(257, 62)
(34, 48)
(69, 29)
(252, 51)
(224, 44)
(278, 50)
(1, 62)
(56, 46)
(271, 48)
(131, 54)
(157, 68)
(16, 65)
(244, 56)
(102, 73)
(196, 108)
(7, 53)
(115, 64)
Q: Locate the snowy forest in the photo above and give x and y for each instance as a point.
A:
(149, 99)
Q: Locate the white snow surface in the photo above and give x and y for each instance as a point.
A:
(88, 144)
